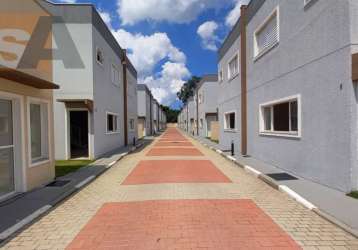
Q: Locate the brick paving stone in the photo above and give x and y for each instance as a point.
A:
(175, 171)
(174, 152)
(191, 224)
(174, 144)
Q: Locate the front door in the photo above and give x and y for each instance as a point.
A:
(7, 181)
(141, 128)
(79, 134)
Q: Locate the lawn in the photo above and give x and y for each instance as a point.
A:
(66, 167)
(354, 194)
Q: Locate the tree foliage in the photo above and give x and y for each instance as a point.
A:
(172, 115)
(188, 89)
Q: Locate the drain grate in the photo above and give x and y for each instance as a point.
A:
(58, 184)
(282, 177)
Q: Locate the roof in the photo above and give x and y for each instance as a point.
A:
(26, 79)
(252, 9)
(86, 13)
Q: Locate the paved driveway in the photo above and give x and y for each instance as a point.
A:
(176, 194)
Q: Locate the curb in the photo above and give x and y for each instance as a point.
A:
(35, 216)
(284, 189)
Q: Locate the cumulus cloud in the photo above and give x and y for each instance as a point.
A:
(146, 52)
(234, 14)
(207, 33)
(168, 82)
(174, 11)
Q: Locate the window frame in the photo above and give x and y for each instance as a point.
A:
(258, 54)
(48, 157)
(271, 104)
(231, 77)
(114, 131)
(226, 129)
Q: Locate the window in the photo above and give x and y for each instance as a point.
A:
(221, 75)
(233, 67)
(115, 75)
(281, 117)
(267, 35)
(112, 123)
(201, 123)
(201, 98)
(99, 56)
(131, 124)
(230, 121)
(39, 133)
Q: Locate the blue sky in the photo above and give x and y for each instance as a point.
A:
(169, 40)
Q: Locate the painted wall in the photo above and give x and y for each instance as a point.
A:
(132, 107)
(312, 60)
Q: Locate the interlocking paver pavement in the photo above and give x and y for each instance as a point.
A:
(174, 144)
(60, 227)
(175, 171)
(188, 224)
(174, 152)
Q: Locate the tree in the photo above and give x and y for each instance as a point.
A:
(188, 89)
(172, 115)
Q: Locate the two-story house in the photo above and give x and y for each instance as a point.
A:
(288, 93)
(144, 111)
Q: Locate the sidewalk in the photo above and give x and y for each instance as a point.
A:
(22, 209)
(330, 203)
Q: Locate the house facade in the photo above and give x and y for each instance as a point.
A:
(144, 111)
(191, 115)
(91, 117)
(155, 116)
(287, 88)
(207, 107)
(26, 110)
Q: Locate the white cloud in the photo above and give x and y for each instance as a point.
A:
(168, 82)
(146, 52)
(174, 11)
(207, 33)
(106, 18)
(234, 14)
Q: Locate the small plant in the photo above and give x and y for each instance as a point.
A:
(353, 194)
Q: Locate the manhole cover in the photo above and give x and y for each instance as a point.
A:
(58, 184)
(282, 177)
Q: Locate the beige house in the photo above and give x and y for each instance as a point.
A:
(26, 132)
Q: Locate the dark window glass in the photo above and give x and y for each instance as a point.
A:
(281, 117)
(294, 118)
(232, 121)
(110, 123)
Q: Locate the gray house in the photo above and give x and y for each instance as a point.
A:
(207, 108)
(90, 108)
(288, 90)
(191, 115)
(144, 111)
(155, 115)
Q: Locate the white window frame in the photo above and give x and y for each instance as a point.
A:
(306, 2)
(258, 54)
(99, 62)
(226, 129)
(289, 134)
(48, 158)
(115, 115)
(230, 76)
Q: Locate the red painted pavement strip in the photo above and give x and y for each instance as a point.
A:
(182, 224)
(175, 171)
(174, 144)
(174, 152)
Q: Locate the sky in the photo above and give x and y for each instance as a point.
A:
(169, 41)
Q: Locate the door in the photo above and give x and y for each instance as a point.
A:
(141, 128)
(7, 181)
(79, 134)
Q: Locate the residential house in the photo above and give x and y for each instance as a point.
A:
(91, 108)
(288, 88)
(144, 111)
(207, 107)
(26, 110)
(155, 116)
(191, 111)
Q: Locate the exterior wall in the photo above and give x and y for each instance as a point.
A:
(107, 97)
(132, 106)
(229, 100)
(74, 83)
(28, 177)
(312, 60)
(208, 91)
(192, 115)
(142, 105)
